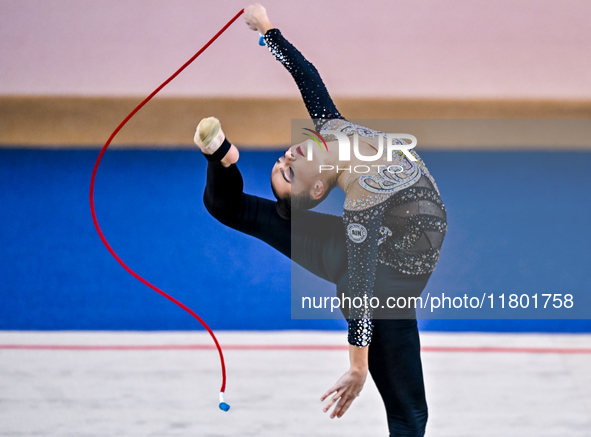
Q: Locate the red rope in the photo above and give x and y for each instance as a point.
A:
(96, 224)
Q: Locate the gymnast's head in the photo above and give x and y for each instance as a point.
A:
(297, 183)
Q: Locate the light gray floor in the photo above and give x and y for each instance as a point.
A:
(276, 393)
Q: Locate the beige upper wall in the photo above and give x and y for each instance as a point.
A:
(381, 48)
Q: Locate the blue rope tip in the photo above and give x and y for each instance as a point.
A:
(262, 41)
(224, 406)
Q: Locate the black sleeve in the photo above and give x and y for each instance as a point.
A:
(252, 215)
(363, 231)
(316, 98)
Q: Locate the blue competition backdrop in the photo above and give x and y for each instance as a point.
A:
(517, 222)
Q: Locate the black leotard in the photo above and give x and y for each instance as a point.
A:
(394, 355)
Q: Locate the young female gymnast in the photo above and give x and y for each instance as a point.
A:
(386, 244)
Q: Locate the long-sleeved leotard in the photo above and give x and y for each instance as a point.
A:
(394, 217)
(318, 242)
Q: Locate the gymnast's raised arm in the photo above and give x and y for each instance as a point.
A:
(314, 93)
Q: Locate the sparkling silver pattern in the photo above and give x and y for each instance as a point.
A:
(405, 220)
(402, 213)
(386, 181)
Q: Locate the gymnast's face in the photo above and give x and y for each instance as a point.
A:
(282, 175)
(293, 174)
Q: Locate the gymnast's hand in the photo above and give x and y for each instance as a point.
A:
(347, 389)
(256, 18)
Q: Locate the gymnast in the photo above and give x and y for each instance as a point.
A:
(386, 244)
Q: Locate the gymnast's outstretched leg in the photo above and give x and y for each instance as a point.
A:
(394, 355)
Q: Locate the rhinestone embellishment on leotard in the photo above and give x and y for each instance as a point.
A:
(400, 216)
(386, 181)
